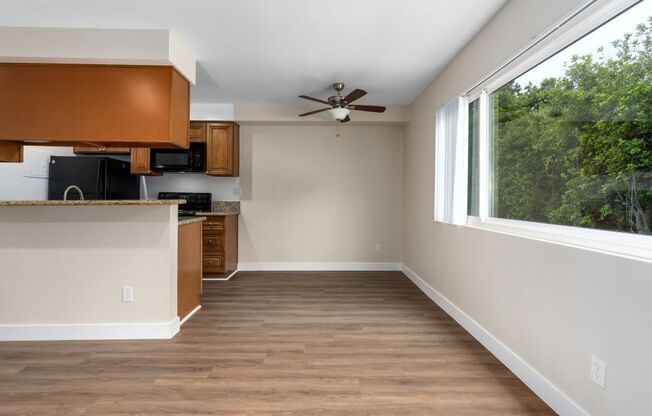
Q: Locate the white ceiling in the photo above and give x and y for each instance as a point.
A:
(274, 50)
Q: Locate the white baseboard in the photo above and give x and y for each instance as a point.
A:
(69, 332)
(194, 311)
(548, 392)
(219, 279)
(319, 266)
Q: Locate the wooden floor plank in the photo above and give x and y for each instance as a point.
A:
(277, 343)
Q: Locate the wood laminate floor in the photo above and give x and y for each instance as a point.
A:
(354, 343)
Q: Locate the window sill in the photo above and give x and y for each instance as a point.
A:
(632, 246)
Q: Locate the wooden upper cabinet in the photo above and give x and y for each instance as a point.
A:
(197, 132)
(11, 152)
(222, 149)
(101, 150)
(107, 105)
(141, 162)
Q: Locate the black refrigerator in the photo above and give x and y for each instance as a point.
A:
(98, 178)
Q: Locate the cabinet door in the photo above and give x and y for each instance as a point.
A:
(140, 162)
(222, 149)
(11, 152)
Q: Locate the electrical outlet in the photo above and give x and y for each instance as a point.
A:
(598, 371)
(127, 294)
(379, 247)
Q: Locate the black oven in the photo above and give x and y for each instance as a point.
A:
(180, 160)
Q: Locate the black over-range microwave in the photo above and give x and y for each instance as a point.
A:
(180, 160)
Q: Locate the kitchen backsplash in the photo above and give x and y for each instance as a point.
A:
(226, 206)
(223, 189)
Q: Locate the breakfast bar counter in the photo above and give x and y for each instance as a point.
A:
(89, 269)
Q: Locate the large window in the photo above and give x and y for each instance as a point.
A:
(557, 143)
(571, 139)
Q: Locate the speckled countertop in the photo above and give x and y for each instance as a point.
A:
(190, 220)
(88, 202)
(216, 214)
(223, 208)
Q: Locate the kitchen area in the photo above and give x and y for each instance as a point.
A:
(109, 218)
(94, 205)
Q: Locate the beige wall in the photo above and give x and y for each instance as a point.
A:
(553, 305)
(310, 197)
(67, 265)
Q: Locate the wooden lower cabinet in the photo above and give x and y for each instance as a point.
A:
(220, 245)
(189, 264)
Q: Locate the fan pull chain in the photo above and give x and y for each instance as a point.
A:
(337, 129)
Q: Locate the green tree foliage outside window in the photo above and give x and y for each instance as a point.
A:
(577, 149)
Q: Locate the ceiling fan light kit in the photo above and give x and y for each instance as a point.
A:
(340, 106)
(339, 113)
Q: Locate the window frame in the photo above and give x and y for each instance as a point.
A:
(582, 21)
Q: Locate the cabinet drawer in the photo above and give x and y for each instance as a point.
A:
(214, 223)
(214, 264)
(213, 230)
(213, 242)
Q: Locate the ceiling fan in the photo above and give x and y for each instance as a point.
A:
(341, 106)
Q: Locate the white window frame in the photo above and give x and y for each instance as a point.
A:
(582, 21)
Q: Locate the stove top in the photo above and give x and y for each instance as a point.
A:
(195, 202)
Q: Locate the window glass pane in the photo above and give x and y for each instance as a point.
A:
(572, 138)
(473, 196)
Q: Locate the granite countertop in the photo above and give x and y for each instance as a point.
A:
(190, 220)
(87, 202)
(223, 208)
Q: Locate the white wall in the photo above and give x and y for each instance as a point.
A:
(310, 197)
(29, 180)
(211, 111)
(96, 46)
(552, 305)
(67, 265)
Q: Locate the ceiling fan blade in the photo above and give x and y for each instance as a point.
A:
(305, 97)
(345, 119)
(372, 108)
(313, 112)
(354, 95)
